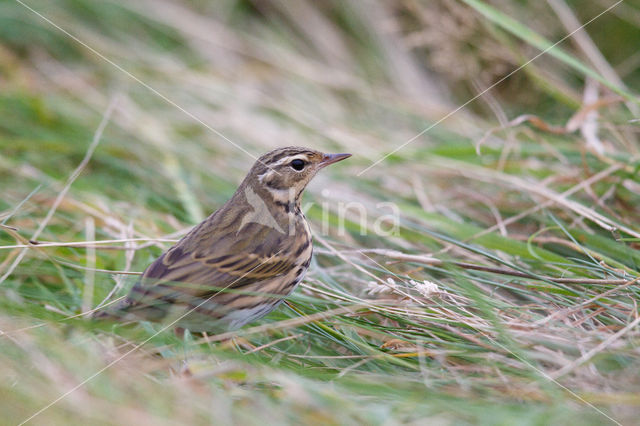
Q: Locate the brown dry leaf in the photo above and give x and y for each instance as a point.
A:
(399, 345)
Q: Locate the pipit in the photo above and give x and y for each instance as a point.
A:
(242, 261)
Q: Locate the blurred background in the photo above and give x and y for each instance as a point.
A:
(123, 124)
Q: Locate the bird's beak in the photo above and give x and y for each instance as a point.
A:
(332, 158)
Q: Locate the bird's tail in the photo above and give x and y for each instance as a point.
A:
(102, 315)
(112, 312)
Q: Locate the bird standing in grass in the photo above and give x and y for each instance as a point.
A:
(242, 261)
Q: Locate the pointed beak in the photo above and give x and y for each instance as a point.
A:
(332, 158)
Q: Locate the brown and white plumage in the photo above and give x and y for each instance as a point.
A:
(244, 259)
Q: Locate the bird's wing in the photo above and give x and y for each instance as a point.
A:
(212, 259)
(201, 275)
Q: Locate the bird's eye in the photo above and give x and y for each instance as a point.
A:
(297, 164)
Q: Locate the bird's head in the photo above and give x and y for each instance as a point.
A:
(285, 172)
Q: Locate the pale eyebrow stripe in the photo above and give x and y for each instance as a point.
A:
(289, 158)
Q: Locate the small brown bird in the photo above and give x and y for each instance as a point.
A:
(242, 261)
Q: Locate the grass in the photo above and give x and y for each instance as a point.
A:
(545, 331)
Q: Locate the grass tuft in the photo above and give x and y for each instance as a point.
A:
(508, 294)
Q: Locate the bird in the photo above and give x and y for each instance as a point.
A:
(243, 260)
